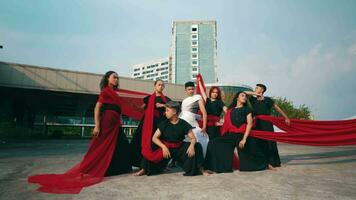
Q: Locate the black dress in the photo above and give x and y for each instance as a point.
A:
(265, 108)
(220, 150)
(175, 133)
(121, 161)
(214, 108)
(135, 145)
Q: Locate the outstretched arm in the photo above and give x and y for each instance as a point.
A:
(203, 93)
(280, 111)
(247, 132)
(205, 116)
(252, 93)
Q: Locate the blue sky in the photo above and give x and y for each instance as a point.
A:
(303, 50)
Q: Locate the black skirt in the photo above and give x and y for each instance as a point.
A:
(190, 165)
(220, 153)
(213, 132)
(271, 149)
(120, 162)
(135, 145)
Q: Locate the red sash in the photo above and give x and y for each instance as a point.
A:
(147, 152)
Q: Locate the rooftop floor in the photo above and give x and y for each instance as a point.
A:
(307, 173)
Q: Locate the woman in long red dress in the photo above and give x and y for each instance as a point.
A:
(107, 153)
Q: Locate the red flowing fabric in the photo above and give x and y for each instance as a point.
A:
(130, 101)
(91, 170)
(200, 86)
(147, 151)
(311, 133)
(303, 132)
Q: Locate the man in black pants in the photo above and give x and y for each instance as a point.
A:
(169, 137)
(262, 105)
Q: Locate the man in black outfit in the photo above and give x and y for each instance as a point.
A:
(263, 105)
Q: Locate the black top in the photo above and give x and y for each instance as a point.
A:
(158, 99)
(214, 107)
(238, 115)
(263, 107)
(174, 132)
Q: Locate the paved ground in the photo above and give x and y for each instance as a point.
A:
(308, 173)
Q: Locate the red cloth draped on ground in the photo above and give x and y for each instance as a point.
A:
(92, 168)
(147, 151)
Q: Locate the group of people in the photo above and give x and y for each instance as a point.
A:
(190, 135)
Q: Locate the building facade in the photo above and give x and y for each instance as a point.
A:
(152, 70)
(193, 51)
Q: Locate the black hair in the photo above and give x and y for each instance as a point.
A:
(189, 84)
(175, 105)
(234, 100)
(158, 80)
(105, 80)
(262, 86)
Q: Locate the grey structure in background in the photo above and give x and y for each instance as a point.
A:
(34, 96)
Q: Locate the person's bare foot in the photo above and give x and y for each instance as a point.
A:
(270, 167)
(140, 173)
(206, 172)
(210, 172)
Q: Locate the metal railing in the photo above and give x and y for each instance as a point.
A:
(128, 129)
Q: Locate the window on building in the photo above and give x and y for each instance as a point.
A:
(194, 28)
(194, 62)
(194, 49)
(194, 36)
(194, 43)
(194, 55)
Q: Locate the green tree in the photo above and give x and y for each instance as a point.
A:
(292, 111)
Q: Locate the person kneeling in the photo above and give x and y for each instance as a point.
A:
(169, 137)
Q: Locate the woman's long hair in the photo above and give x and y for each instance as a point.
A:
(219, 92)
(105, 80)
(234, 100)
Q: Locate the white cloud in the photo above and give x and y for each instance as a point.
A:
(322, 78)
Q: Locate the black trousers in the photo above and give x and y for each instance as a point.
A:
(190, 165)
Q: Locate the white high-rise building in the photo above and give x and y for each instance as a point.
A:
(152, 70)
